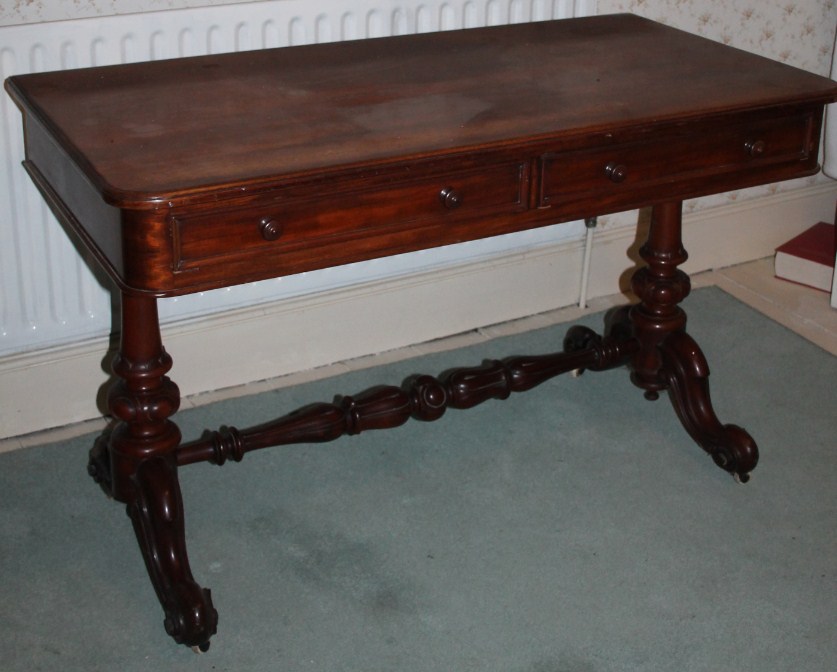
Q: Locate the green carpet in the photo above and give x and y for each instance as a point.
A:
(573, 528)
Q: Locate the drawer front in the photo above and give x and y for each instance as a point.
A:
(622, 167)
(278, 222)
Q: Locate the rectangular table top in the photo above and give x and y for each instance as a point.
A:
(150, 132)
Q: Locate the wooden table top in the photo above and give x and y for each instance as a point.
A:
(149, 132)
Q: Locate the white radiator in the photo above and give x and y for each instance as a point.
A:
(48, 294)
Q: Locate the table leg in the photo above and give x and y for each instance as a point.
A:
(668, 358)
(138, 466)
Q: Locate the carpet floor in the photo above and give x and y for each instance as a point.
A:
(573, 528)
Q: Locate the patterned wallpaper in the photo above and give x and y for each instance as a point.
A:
(798, 32)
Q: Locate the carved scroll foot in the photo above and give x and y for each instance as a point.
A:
(687, 373)
(668, 359)
(157, 515)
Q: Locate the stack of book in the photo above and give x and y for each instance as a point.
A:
(808, 259)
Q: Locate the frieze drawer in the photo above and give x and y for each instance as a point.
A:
(619, 167)
(284, 222)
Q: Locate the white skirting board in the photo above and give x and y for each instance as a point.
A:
(50, 388)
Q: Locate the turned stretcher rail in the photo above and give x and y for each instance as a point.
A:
(422, 397)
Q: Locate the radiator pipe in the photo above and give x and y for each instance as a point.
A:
(590, 223)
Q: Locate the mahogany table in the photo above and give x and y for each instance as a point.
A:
(190, 174)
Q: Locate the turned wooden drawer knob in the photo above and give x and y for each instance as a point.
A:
(616, 172)
(270, 228)
(755, 147)
(450, 197)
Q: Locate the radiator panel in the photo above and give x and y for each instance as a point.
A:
(50, 295)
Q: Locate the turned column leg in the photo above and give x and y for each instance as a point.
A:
(141, 470)
(669, 359)
(660, 286)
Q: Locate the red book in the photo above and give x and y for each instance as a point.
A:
(808, 259)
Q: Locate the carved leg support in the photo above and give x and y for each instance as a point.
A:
(157, 515)
(668, 359)
(142, 470)
(732, 448)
